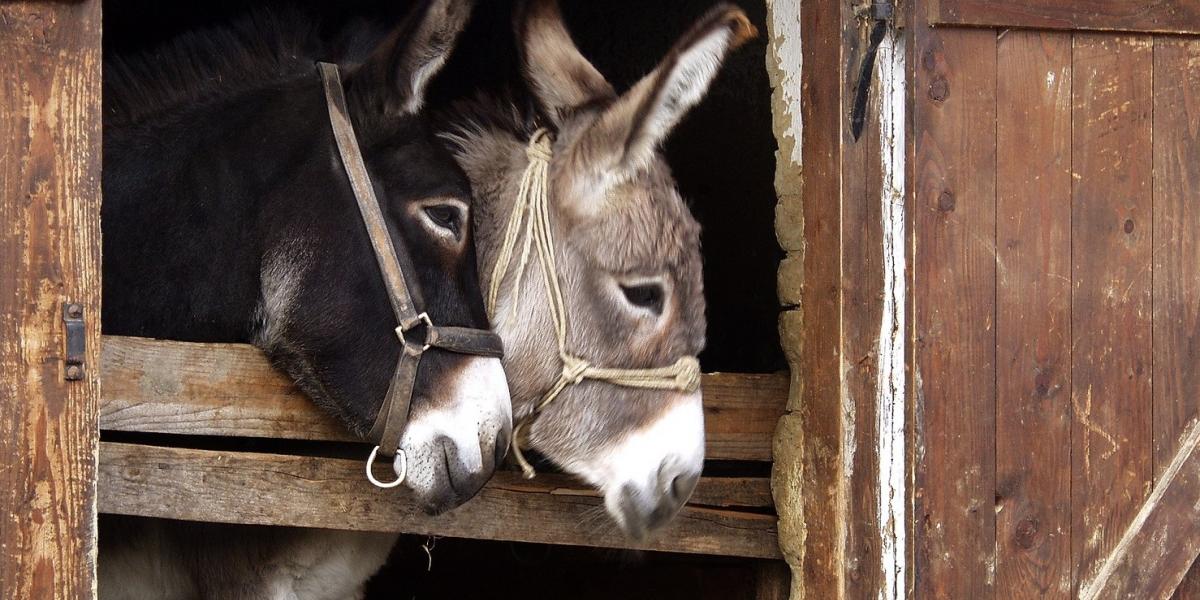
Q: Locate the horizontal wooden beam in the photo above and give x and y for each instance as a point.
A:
(303, 491)
(1163, 540)
(1160, 16)
(231, 390)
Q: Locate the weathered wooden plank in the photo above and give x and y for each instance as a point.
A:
(1189, 588)
(1033, 315)
(231, 390)
(49, 254)
(1161, 16)
(1162, 539)
(1176, 252)
(954, 299)
(862, 285)
(808, 442)
(1111, 276)
(1176, 243)
(241, 487)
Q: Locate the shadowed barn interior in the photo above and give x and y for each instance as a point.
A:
(722, 156)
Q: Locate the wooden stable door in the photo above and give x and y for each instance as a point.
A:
(49, 259)
(1056, 292)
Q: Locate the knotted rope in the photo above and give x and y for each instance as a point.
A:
(530, 219)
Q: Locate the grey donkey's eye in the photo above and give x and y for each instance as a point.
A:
(648, 296)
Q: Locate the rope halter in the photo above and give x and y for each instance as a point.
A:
(530, 220)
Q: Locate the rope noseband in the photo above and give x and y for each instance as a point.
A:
(416, 330)
(531, 217)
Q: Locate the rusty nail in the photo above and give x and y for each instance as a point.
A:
(74, 372)
(1128, 225)
(939, 90)
(74, 311)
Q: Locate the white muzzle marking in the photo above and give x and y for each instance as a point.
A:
(478, 410)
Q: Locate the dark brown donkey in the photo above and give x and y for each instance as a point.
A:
(228, 216)
(592, 261)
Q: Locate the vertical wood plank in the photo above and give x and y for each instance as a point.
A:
(1111, 301)
(49, 253)
(861, 282)
(954, 293)
(1033, 315)
(806, 474)
(1176, 252)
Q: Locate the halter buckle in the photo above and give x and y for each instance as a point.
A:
(421, 319)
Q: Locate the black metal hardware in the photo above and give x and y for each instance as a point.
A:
(76, 341)
(881, 13)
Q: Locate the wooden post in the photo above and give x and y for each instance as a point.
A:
(49, 256)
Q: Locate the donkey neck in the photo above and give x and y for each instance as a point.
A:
(184, 212)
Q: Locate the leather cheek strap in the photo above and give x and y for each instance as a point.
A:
(394, 411)
(393, 415)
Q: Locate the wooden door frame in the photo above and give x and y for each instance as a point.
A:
(843, 452)
(50, 144)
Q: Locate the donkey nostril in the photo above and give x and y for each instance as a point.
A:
(682, 486)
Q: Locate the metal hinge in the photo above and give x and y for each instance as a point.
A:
(879, 14)
(76, 341)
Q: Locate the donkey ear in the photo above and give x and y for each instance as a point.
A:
(559, 76)
(631, 129)
(408, 58)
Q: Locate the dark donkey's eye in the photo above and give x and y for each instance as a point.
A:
(648, 296)
(445, 216)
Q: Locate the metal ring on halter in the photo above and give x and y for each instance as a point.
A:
(399, 480)
(421, 318)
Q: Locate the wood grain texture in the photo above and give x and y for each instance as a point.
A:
(1176, 243)
(242, 487)
(1033, 315)
(1162, 16)
(806, 474)
(954, 297)
(1111, 301)
(862, 288)
(49, 253)
(231, 390)
(1162, 540)
(1176, 252)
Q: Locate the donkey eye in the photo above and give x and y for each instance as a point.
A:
(445, 216)
(648, 296)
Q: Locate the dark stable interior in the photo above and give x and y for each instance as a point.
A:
(723, 157)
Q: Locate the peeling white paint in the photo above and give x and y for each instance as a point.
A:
(890, 384)
(784, 29)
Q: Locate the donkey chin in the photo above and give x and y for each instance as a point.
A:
(454, 442)
(649, 474)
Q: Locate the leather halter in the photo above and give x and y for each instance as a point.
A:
(416, 331)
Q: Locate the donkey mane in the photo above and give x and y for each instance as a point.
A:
(200, 66)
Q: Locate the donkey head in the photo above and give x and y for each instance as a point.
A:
(325, 314)
(628, 259)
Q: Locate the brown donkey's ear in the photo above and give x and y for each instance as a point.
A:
(559, 76)
(630, 130)
(401, 67)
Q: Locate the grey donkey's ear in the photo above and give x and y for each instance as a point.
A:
(403, 64)
(630, 129)
(559, 76)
